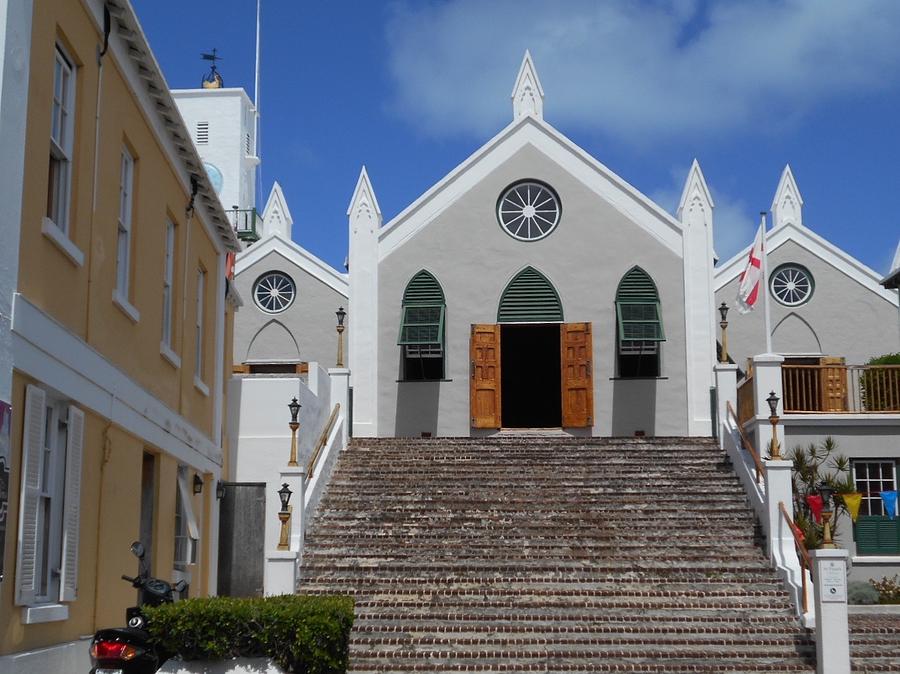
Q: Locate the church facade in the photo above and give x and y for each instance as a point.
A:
(531, 287)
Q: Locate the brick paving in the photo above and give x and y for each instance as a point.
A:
(553, 555)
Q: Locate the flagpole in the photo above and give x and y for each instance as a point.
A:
(764, 282)
(257, 126)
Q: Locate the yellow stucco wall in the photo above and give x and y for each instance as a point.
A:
(80, 298)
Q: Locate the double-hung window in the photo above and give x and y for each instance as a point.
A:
(199, 332)
(168, 283)
(187, 532)
(639, 325)
(875, 532)
(123, 242)
(62, 130)
(422, 329)
(50, 498)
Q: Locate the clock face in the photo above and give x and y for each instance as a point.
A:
(215, 176)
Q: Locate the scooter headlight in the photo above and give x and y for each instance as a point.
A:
(137, 622)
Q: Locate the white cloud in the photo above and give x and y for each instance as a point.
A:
(734, 223)
(639, 70)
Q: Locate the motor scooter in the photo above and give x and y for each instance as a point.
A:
(129, 650)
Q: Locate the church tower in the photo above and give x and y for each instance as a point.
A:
(223, 123)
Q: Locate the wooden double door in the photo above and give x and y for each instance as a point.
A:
(572, 402)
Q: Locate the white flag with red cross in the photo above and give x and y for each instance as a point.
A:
(751, 277)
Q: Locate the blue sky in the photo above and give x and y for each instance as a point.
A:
(410, 89)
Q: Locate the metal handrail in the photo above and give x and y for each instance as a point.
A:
(745, 441)
(802, 554)
(323, 438)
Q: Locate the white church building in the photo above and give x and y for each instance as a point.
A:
(533, 288)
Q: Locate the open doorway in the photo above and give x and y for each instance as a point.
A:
(530, 376)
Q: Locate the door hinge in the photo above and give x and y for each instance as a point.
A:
(472, 369)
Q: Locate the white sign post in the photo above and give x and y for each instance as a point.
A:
(832, 634)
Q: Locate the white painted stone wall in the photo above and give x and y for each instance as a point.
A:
(231, 116)
(15, 49)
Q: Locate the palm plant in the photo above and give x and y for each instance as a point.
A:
(813, 466)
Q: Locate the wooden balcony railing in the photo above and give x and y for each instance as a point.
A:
(745, 402)
(840, 389)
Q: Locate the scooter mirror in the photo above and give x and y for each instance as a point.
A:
(137, 549)
(179, 586)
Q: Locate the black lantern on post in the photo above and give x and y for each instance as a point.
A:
(294, 407)
(341, 315)
(773, 419)
(198, 484)
(723, 323)
(826, 491)
(220, 490)
(284, 495)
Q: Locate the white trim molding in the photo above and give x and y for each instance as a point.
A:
(125, 306)
(49, 352)
(44, 613)
(296, 255)
(61, 240)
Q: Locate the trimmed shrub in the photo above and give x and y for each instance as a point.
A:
(861, 592)
(303, 634)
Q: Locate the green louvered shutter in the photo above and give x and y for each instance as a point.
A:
(530, 298)
(423, 312)
(637, 308)
(877, 535)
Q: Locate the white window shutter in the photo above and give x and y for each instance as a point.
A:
(28, 538)
(74, 441)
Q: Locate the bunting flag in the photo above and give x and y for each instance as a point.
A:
(889, 498)
(748, 288)
(814, 501)
(852, 502)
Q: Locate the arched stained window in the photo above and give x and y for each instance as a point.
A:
(422, 328)
(530, 298)
(640, 327)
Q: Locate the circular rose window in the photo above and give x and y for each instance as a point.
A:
(792, 284)
(528, 210)
(274, 292)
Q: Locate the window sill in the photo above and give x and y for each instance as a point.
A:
(200, 386)
(169, 355)
(44, 613)
(420, 381)
(876, 559)
(126, 307)
(58, 237)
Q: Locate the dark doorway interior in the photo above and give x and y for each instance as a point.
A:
(530, 388)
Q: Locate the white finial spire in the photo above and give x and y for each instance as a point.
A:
(787, 206)
(528, 94)
(896, 265)
(695, 192)
(276, 215)
(363, 204)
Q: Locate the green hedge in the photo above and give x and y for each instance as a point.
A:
(303, 634)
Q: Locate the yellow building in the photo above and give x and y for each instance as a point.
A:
(119, 338)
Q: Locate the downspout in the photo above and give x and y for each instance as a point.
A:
(107, 454)
(101, 52)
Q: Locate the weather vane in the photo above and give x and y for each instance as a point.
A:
(212, 79)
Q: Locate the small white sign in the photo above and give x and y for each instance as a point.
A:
(833, 581)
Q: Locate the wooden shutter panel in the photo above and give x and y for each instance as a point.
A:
(577, 376)
(877, 535)
(29, 536)
(484, 395)
(68, 585)
(833, 384)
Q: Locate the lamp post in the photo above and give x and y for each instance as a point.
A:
(827, 494)
(294, 407)
(341, 315)
(198, 484)
(284, 515)
(773, 419)
(723, 312)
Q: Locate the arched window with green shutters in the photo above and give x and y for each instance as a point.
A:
(639, 325)
(530, 298)
(422, 328)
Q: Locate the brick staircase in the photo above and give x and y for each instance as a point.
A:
(550, 555)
